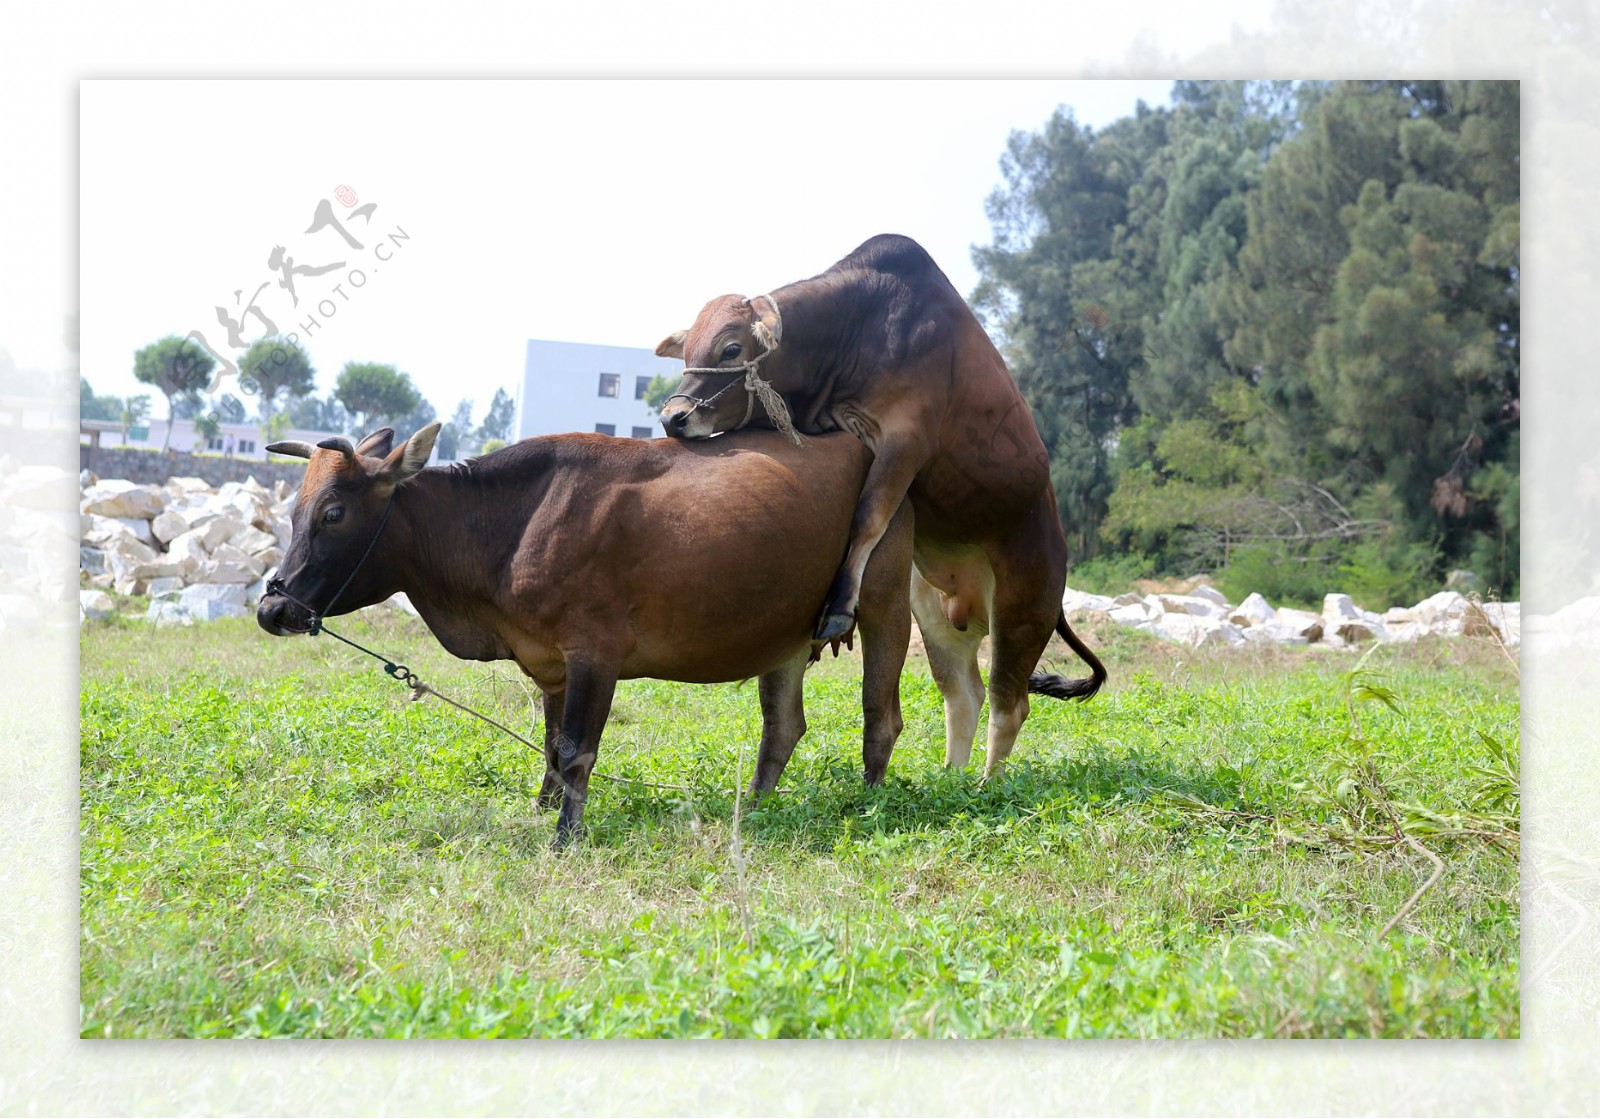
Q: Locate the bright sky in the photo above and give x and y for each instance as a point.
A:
(591, 211)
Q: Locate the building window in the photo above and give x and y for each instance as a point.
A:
(214, 443)
(642, 433)
(606, 429)
(641, 385)
(247, 446)
(610, 384)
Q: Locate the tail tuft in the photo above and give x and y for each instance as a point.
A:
(1059, 687)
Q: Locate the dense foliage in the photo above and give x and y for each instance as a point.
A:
(1273, 331)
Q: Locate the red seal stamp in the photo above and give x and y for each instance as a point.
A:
(345, 194)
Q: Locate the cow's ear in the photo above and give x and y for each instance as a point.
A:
(378, 444)
(767, 325)
(672, 345)
(408, 458)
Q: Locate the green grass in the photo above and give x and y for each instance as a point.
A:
(275, 843)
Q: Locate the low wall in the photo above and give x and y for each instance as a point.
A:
(155, 467)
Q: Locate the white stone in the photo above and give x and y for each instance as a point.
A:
(1443, 613)
(1275, 633)
(400, 600)
(116, 497)
(160, 568)
(1398, 615)
(1075, 603)
(188, 485)
(167, 524)
(1337, 608)
(1193, 605)
(95, 605)
(1301, 622)
(123, 553)
(188, 551)
(164, 613)
(19, 609)
(204, 603)
(138, 528)
(38, 487)
(229, 565)
(1127, 598)
(1196, 631)
(1403, 633)
(1253, 611)
(1356, 631)
(252, 540)
(1135, 614)
(1210, 594)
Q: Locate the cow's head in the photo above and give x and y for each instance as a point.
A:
(729, 333)
(337, 516)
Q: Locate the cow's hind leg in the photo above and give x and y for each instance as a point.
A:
(953, 658)
(587, 704)
(1026, 604)
(783, 722)
(550, 787)
(885, 618)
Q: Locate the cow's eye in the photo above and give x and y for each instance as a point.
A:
(334, 515)
(733, 351)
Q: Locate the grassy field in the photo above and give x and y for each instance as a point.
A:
(275, 843)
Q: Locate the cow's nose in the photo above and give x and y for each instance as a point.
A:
(676, 422)
(269, 614)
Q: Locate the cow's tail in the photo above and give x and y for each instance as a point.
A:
(1059, 687)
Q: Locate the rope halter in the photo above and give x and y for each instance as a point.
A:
(754, 385)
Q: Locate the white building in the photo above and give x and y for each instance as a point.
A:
(233, 440)
(573, 386)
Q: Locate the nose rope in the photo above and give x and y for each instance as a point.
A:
(753, 384)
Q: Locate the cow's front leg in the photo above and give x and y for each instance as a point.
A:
(586, 705)
(887, 481)
(783, 722)
(550, 787)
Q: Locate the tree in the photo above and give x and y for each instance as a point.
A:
(135, 410)
(497, 421)
(206, 426)
(311, 413)
(272, 366)
(658, 390)
(1055, 288)
(456, 434)
(419, 417)
(379, 394)
(92, 407)
(177, 367)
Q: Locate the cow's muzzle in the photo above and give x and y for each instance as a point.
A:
(280, 617)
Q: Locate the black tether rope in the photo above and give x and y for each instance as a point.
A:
(400, 672)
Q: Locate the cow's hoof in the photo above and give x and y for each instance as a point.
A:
(834, 627)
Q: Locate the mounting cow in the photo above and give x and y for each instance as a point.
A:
(881, 345)
(587, 559)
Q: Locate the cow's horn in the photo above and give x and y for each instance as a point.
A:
(338, 443)
(294, 448)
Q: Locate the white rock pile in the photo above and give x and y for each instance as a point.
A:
(201, 552)
(1205, 617)
(198, 552)
(36, 535)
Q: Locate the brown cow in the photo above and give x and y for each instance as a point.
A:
(881, 345)
(587, 559)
